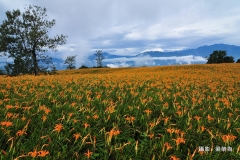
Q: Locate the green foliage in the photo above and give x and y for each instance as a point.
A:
(24, 37)
(238, 61)
(83, 66)
(2, 72)
(219, 56)
(70, 61)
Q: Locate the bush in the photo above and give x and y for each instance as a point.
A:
(83, 66)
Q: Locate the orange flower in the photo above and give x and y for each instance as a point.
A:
(86, 125)
(228, 138)
(95, 116)
(151, 135)
(148, 111)
(73, 104)
(167, 145)
(130, 119)
(9, 115)
(44, 118)
(6, 123)
(75, 120)
(151, 124)
(20, 133)
(9, 106)
(170, 130)
(165, 119)
(33, 154)
(179, 140)
(76, 136)
(23, 118)
(47, 110)
(174, 158)
(165, 104)
(42, 153)
(88, 154)
(179, 112)
(210, 118)
(197, 118)
(58, 127)
(230, 114)
(202, 128)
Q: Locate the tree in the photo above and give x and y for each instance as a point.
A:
(238, 61)
(53, 70)
(220, 56)
(24, 37)
(99, 58)
(70, 61)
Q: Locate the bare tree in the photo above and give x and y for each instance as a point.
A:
(99, 58)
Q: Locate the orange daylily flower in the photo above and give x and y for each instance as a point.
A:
(33, 154)
(197, 118)
(58, 127)
(165, 104)
(20, 133)
(6, 123)
(44, 118)
(88, 154)
(179, 140)
(95, 116)
(174, 158)
(42, 153)
(210, 118)
(148, 111)
(151, 135)
(228, 138)
(75, 120)
(167, 145)
(76, 136)
(86, 125)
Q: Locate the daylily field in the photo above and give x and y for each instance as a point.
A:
(176, 112)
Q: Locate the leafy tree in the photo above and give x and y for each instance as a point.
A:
(238, 61)
(70, 61)
(220, 57)
(24, 37)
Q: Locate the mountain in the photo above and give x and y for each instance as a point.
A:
(152, 58)
(203, 51)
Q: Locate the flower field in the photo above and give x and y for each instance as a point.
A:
(176, 112)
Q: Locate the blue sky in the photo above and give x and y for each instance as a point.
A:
(130, 27)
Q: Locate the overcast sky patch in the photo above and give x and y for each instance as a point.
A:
(128, 28)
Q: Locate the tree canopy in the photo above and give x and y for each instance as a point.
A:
(219, 56)
(70, 60)
(24, 37)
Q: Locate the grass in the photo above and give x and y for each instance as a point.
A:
(128, 113)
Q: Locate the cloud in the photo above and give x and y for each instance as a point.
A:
(148, 60)
(130, 27)
(118, 65)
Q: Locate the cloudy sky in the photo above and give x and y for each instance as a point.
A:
(129, 27)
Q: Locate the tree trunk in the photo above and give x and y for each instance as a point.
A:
(35, 64)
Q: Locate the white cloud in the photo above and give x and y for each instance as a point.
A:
(148, 60)
(118, 65)
(130, 27)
